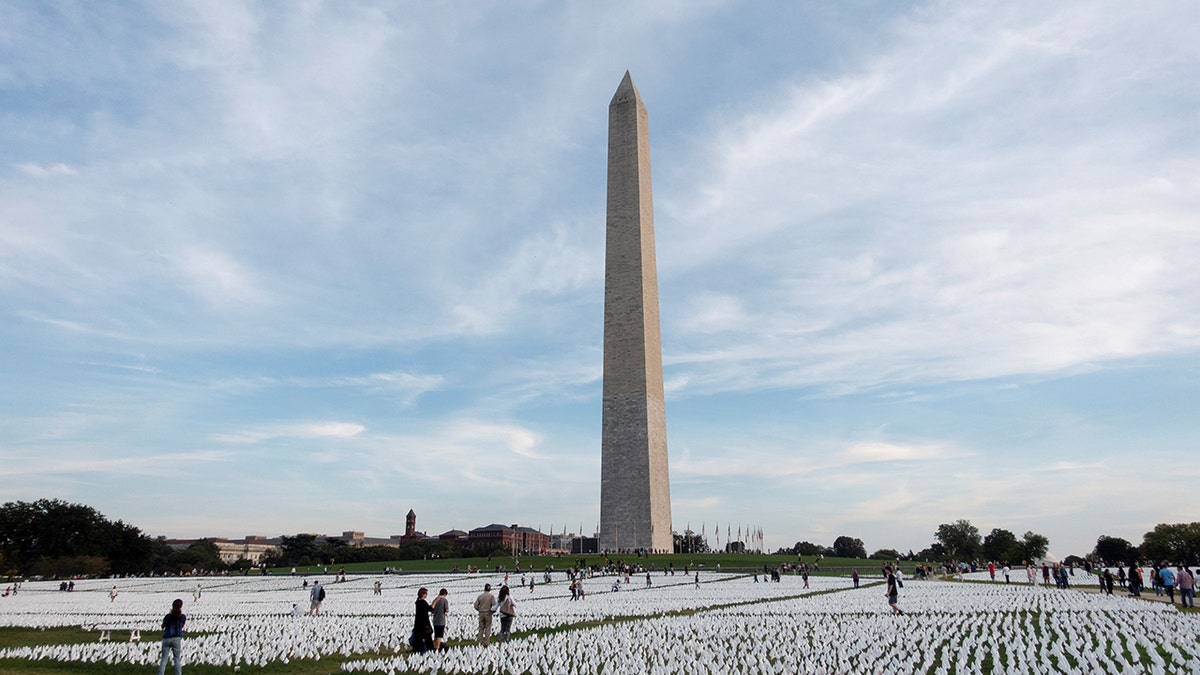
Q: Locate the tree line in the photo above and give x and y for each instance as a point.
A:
(53, 538)
(959, 540)
(1166, 543)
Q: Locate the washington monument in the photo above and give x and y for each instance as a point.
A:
(635, 494)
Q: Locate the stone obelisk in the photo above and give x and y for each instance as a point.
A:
(635, 494)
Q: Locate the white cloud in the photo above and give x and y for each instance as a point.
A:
(47, 170)
(300, 430)
(969, 204)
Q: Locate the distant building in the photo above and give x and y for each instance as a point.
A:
(585, 545)
(252, 548)
(524, 539)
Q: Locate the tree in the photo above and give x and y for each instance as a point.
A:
(689, 542)
(849, 547)
(960, 540)
(886, 554)
(298, 550)
(935, 552)
(808, 548)
(1178, 542)
(201, 554)
(1001, 545)
(1115, 550)
(39, 533)
(1032, 547)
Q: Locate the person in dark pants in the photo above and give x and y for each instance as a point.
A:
(893, 591)
(508, 611)
(1167, 575)
(441, 605)
(422, 637)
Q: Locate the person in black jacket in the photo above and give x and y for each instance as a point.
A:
(422, 637)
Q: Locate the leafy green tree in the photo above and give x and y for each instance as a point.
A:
(886, 554)
(1001, 545)
(808, 548)
(849, 547)
(960, 540)
(1115, 550)
(1032, 547)
(201, 554)
(38, 533)
(333, 551)
(1177, 542)
(67, 566)
(935, 552)
(298, 550)
(689, 542)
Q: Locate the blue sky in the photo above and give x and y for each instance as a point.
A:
(269, 268)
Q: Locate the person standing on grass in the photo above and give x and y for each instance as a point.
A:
(422, 639)
(316, 597)
(441, 605)
(172, 640)
(508, 611)
(893, 591)
(1187, 586)
(1135, 580)
(1167, 575)
(483, 605)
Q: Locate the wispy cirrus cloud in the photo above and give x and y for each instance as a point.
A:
(298, 430)
(967, 204)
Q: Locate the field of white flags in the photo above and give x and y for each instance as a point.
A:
(726, 624)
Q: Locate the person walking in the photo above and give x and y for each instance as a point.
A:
(1187, 586)
(893, 592)
(422, 635)
(484, 605)
(316, 596)
(172, 640)
(441, 605)
(112, 595)
(1167, 575)
(854, 577)
(508, 611)
(1135, 580)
